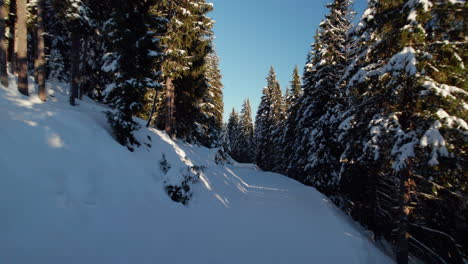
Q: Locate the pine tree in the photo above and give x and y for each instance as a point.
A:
(292, 99)
(208, 121)
(246, 140)
(3, 45)
(268, 124)
(405, 85)
(233, 135)
(295, 91)
(11, 58)
(22, 47)
(134, 52)
(188, 43)
(75, 13)
(39, 64)
(317, 161)
(191, 87)
(57, 41)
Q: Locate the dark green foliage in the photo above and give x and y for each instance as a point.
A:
(164, 164)
(246, 134)
(182, 192)
(192, 66)
(312, 153)
(234, 135)
(133, 55)
(269, 124)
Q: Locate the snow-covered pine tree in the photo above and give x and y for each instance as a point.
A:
(317, 160)
(57, 41)
(407, 126)
(133, 54)
(269, 124)
(292, 105)
(93, 50)
(246, 141)
(76, 15)
(3, 44)
(192, 87)
(187, 43)
(295, 91)
(11, 57)
(208, 122)
(233, 135)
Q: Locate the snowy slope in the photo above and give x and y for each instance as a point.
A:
(70, 194)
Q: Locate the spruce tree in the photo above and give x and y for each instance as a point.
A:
(269, 124)
(22, 47)
(39, 64)
(11, 58)
(405, 127)
(246, 140)
(233, 135)
(3, 45)
(57, 41)
(134, 52)
(187, 45)
(208, 121)
(294, 92)
(287, 137)
(316, 160)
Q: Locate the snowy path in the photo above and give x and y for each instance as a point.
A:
(70, 194)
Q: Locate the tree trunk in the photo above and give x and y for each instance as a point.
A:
(22, 46)
(403, 235)
(3, 45)
(153, 108)
(75, 66)
(40, 60)
(170, 94)
(11, 58)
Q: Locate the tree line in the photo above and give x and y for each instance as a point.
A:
(377, 124)
(154, 59)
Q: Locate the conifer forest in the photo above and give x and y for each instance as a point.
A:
(113, 146)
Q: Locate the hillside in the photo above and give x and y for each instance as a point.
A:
(70, 194)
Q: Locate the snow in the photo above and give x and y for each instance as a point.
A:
(70, 194)
(443, 89)
(452, 121)
(153, 53)
(111, 62)
(346, 124)
(405, 61)
(425, 4)
(403, 149)
(432, 137)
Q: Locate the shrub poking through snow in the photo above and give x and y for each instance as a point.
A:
(221, 157)
(179, 187)
(164, 164)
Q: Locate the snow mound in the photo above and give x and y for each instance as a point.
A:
(70, 194)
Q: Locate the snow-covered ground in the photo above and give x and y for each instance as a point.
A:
(70, 194)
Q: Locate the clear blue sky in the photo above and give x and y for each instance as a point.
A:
(251, 35)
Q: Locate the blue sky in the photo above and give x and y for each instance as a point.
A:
(251, 35)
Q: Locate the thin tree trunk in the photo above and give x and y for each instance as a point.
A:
(40, 60)
(81, 69)
(403, 235)
(75, 66)
(153, 108)
(3, 45)
(170, 94)
(22, 45)
(11, 58)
